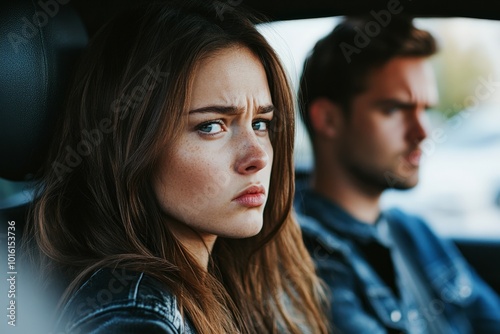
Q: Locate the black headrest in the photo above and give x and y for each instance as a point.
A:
(39, 43)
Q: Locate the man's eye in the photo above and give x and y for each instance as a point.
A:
(210, 128)
(391, 110)
(261, 125)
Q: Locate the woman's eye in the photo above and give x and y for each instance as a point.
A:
(261, 125)
(210, 128)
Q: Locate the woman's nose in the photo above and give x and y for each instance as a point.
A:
(251, 155)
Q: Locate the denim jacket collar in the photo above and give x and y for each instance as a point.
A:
(336, 218)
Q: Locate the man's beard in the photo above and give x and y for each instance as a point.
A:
(376, 180)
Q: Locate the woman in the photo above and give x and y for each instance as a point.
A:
(167, 199)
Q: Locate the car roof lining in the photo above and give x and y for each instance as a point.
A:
(95, 12)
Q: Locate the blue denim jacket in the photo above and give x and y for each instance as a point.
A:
(363, 303)
(121, 301)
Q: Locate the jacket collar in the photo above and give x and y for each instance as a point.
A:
(336, 218)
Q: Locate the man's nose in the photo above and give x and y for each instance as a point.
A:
(418, 128)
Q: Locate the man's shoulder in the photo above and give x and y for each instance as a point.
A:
(412, 224)
(318, 236)
(401, 216)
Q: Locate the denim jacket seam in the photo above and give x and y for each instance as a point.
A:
(449, 278)
(383, 302)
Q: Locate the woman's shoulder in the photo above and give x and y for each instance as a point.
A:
(114, 301)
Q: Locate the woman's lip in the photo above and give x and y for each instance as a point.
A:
(251, 200)
(252, 196)
(253, 189)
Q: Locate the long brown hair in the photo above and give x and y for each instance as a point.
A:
(95, 206)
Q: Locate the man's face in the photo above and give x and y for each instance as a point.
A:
(379, 143)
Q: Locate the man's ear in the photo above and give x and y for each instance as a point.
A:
(326, 117)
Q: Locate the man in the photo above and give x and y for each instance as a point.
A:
(364, 92)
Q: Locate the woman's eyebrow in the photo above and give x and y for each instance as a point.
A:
(230, 110)
(267, 109)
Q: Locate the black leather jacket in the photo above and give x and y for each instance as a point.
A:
(121, 301)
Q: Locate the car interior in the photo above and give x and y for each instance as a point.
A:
(40, 42)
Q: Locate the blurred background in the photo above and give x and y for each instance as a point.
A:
(459, 189)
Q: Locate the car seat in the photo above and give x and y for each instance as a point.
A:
(39, 44)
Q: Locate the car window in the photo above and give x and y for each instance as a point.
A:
(459, 188)
(293, 40)
(14, 193)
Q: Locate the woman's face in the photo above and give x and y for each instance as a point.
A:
(215, 179)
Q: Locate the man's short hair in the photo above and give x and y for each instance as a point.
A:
(338, 65)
